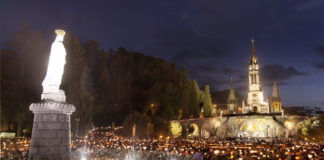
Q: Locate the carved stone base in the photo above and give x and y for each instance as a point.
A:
(52, 96)
(51, 135)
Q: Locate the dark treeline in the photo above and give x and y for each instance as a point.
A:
(302, 110)
(120, 87)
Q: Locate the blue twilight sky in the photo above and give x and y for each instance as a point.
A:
(211, 38)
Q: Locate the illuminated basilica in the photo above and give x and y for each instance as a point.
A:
(253, 118)
(255, 99)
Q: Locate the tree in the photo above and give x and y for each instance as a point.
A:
(176, 129)
(139, 120)
(105, 86)
(22, 71)
(312, 128)
(11, 90)
(207, 102)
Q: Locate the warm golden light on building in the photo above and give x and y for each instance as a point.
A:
(288, 125)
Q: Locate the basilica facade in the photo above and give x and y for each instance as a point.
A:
(252, 118)
(255, 102)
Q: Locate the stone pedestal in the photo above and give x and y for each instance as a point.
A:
(51, 135)
(52, 96)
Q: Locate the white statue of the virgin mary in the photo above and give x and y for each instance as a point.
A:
(55, 69)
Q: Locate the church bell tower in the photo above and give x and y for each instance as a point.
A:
(275, 100)
(255, 101)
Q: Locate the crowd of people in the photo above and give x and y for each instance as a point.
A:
(102, 144)
(14, 148)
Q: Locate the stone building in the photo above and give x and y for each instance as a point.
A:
(255, 101)
(275, 100)
(254, 119)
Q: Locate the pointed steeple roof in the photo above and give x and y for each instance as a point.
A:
(231, 92)
(253, 58)
(275, 91)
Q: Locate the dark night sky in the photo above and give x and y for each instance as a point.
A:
(211, 38)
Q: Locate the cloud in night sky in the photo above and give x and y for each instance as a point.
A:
(216, 76)
(211, 68)
(311, 4)
(211, 39)
(320, 50)
(201, 61)
(198, 54)
(215, 82)
(272, 72)
(320, 65)
(279, 72)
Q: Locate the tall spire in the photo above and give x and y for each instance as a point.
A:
(231, 92)
(275, 91)
(253, 58)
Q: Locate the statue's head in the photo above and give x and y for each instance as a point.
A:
(59, 35)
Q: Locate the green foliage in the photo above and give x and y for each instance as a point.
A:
(78, 82)
(22, 69)
(105, 86)
(141, 121)
(206, 99)
(312, 128)
(176, 129)
(160, 126)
